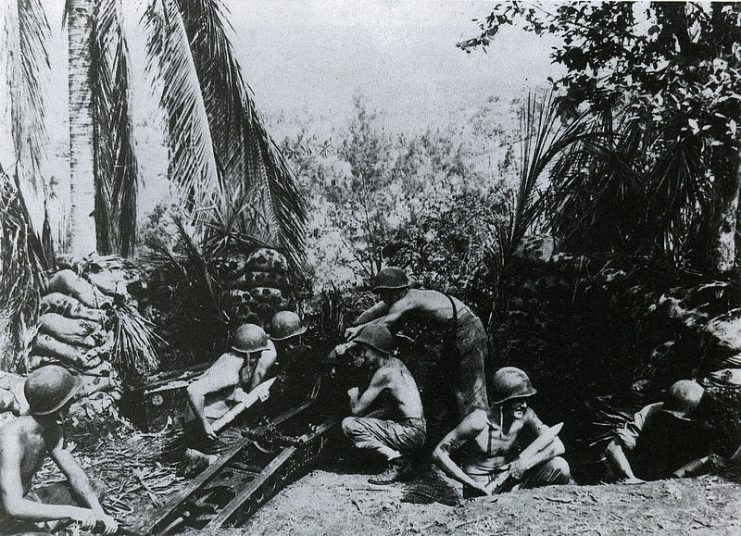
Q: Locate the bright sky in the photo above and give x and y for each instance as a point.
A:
(313, 56)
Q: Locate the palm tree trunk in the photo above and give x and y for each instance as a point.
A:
(723, 242)
(81, 231)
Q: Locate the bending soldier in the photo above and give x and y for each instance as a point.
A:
(393, 439)
(464, 332)
(233, 383)
(664, 439)
(296, 363)
(24, 443)
(509, 445)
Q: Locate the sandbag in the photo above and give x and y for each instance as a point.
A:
(95, 384)
(109, 282)
(66, 353)
(264, 279)
(267, 260)
(267, 295)
(59, 303)
(265, 310)
(239, 297)
(69, 283)
(70, 330)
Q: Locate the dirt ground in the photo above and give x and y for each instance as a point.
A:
(336, 499)
(331, 503)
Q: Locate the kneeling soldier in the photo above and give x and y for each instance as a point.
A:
(663, 439)
(393, 439)
(24, 444)
(510, 447)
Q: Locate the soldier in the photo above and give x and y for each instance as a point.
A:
(393, 439)
(665, 439)
(296, 363)
(24, 444)
(463, 331)
(233, 383)
(510, 448)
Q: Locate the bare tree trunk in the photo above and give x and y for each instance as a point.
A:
(81, 232)
(723, 243)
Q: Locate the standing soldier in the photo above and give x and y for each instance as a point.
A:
(510, 446)
(394, 438)
(465, 338)
(24, 444)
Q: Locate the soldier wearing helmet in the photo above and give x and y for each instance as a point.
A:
(392, 439)
(24, 443)
(297, 364)
(662, 440)
(232, 377)
(462, 331)
(509, 446)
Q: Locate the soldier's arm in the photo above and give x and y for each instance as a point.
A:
(379, 382)
(471, 426)
(11, 490)
(540, 449)
(394, 314)
(221, 375)
(267, 359)
(80, 483)
(619, 461)
(379, 309)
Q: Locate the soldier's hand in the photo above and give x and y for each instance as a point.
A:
(239, 395)
(351, 332)
(353, 393)
(86, 518)
(110, 525)
(209, 431)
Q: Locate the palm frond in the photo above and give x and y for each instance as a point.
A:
(23, 263)
(26, 61)
(249, 159)
(192, 162)
(115, 163)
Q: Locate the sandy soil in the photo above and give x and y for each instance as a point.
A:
(327, 502)
(336, 499)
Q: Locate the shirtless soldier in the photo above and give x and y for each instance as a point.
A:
(390, 438)
(24, 444)
(510, 446)
(464, 332)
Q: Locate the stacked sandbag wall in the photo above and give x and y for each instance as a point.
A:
(256, 285)
(76, 328)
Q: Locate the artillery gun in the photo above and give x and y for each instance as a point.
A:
(283, 447)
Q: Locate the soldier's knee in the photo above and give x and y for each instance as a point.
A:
(348, 425)
(561, 470)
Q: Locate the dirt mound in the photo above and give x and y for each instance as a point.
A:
(329, 503)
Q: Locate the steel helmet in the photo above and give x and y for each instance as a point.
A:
(286, 324)
(377, 337)
(391, 278)
(249, 338)
(509, 383)
(683, 399)
(49, 388)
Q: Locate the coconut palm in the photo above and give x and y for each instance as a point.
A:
(219, 148)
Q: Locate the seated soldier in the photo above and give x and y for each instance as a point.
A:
(232, 379)
(393, 439)
(663, 440)
(24, 443)
(514, 451)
